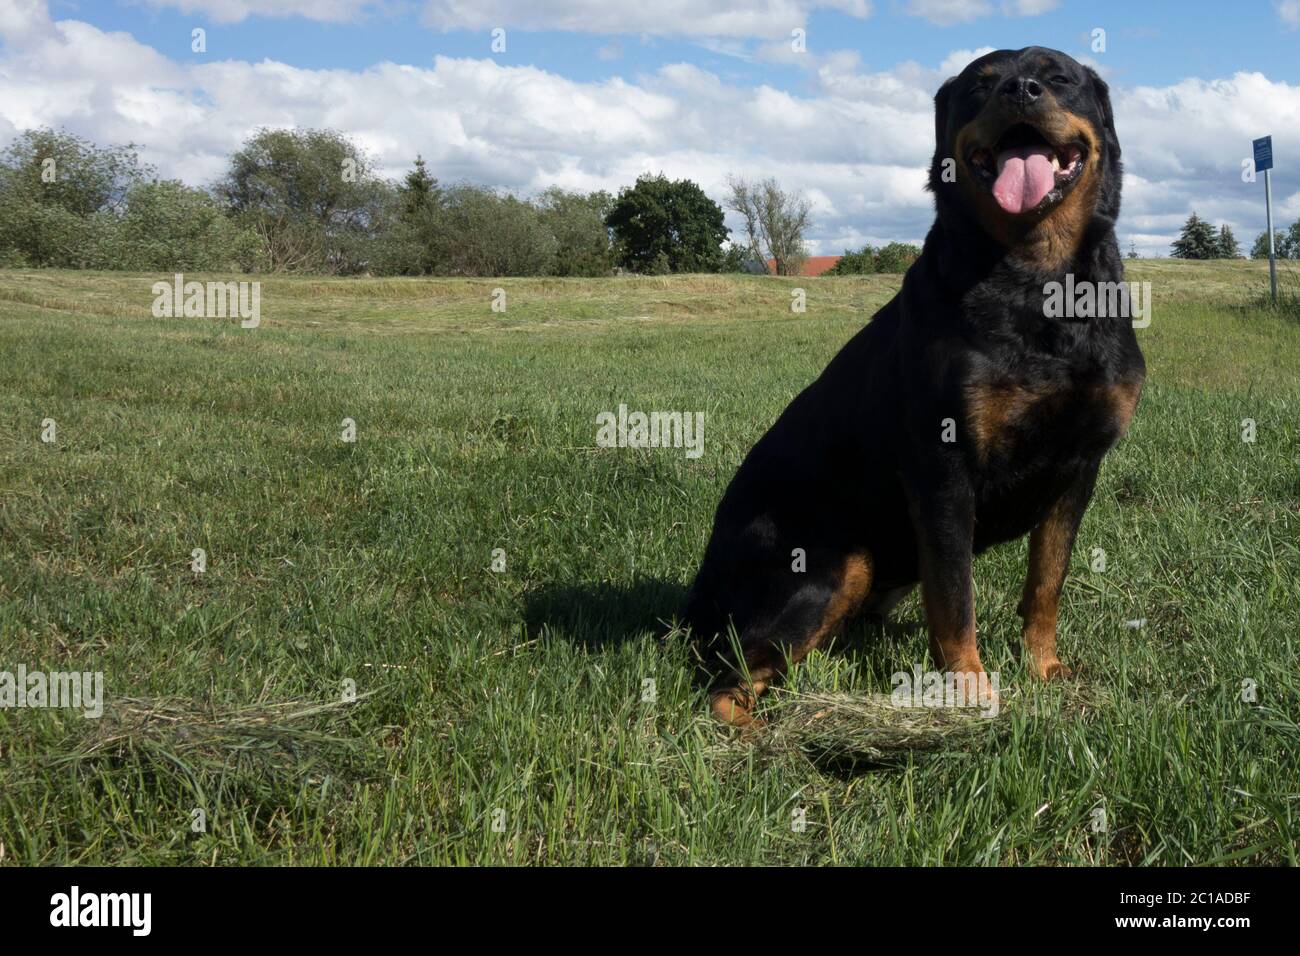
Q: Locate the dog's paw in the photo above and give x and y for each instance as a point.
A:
(1050, 668)
(735, 708)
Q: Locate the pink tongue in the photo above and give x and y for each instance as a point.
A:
(1024, 178)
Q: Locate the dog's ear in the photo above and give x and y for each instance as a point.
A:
(1102, 93)
(940, 132)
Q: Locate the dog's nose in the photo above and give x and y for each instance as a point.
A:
(1022, 90)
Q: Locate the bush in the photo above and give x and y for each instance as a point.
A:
(488, 234)
(42, 234)
(168, 226)
(895, 257)
(742, 259)
(862, 262)
(469, 230)
(577, 223)
(59, 196)
(1286, 245)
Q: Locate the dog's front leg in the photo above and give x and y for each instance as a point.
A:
(1050, 543)
(944, 522)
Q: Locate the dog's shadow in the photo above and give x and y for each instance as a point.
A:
(602, 616)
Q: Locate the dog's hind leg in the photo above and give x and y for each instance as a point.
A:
(880, 604)
(810, 615)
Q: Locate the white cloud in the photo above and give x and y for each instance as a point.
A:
(1184, 145)
(766, 19)
(946, 13)
(722, 18)
(1289, 11)
(958, 60)
(1028, 8)
(24, 21)
(233, 11)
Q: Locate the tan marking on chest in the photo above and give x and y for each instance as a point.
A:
(993, 410)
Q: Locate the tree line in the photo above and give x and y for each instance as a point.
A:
(1198, 239)
(311, 200)
(308, 200)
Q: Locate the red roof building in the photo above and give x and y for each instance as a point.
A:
(812, 266)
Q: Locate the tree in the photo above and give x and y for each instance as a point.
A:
(1260, 249)
(1196, 241)
(409, 243)
(663, 224)
(489, 234)
(1293, 241)
(742, 259)
(64, 170)
(1286, 245)
(775, 221)
(861, 262)
(1132, 249)
(60, 196)
(1228, 248)
(896, 257)
(420, 191)
(311, 196)
(168, 226)
(577, 222)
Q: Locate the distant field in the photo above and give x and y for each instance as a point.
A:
(500, 714)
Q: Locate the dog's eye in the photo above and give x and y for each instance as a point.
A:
(1060, 80)
(984, 84)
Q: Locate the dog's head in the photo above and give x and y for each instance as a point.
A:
(1025, 148)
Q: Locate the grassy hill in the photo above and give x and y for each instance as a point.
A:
(504, 716)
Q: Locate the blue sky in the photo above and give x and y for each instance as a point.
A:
(588, 93)
(1150, 43)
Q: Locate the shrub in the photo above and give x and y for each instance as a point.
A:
(489, 234)
(895, 257)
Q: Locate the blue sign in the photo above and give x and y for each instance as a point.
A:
(1263, 154)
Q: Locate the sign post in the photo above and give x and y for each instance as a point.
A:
(1264, 163)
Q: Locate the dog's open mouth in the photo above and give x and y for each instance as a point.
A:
(1025, 172)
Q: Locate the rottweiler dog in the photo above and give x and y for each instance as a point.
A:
(960, 417)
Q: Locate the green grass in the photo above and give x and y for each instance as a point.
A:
(517, 696)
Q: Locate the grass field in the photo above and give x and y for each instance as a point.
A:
(500, 714)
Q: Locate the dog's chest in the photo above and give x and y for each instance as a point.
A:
(1014, 424)
(1030, 441)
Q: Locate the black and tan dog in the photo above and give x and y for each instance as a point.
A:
(960, 417)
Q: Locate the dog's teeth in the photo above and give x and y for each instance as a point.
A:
(1056, 162)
